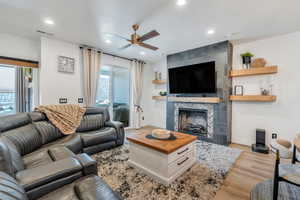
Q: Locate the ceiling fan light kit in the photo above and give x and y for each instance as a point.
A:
(139, 40)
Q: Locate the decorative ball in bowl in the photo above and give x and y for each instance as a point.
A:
(161, 134)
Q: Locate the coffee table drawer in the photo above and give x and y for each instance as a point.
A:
(181, 152)
(182, 162)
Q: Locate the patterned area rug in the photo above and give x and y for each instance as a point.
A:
(201, 182)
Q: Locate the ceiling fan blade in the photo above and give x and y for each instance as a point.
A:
(148, 46)
(149, 35)
(125, 47)
(118, 36)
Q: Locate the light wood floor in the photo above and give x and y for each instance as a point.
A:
(250, 169)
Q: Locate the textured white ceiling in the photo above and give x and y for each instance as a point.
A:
(181, 28)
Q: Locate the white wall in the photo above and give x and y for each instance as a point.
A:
(282, 116)
(54, 84)
(19, 47)
(154, 111)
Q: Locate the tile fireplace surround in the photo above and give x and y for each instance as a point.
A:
(218, 114)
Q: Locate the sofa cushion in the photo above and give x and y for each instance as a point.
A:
(35, 177)
(45, 156)
(59, 153)
(72, 142)
(48, 131)
(103, 135)
(25, 138)
(10, 189)
(13, 121)
(66, 191)
(91, 122)
(94, 188)
(37, 158)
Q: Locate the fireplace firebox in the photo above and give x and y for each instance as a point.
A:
(193, 121)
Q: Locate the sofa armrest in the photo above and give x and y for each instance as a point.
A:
(36, 177)
(89, 164)
(119, 128)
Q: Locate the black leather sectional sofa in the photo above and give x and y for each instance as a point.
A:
(38, 159)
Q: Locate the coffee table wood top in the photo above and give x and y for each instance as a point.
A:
(164, 146)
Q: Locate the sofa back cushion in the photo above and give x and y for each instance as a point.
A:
(10, 159)
(13, 121)
(48, 131)
(25, 138)
(37, 116)
(98, 110)
(91, 122)
(10, 188)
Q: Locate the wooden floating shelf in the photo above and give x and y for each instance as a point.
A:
(195, 99)
(254, 71)
(159, 98)
(253, 98)
(158, 82)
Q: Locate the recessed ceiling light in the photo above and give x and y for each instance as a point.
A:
(49, 21)
(108, 41)
(143, 53)
(211, 32)
(181, 2)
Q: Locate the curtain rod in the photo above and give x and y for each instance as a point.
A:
(109, 54)
(19, 59)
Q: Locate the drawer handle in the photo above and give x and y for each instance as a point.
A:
(183, 151)
(183, 161)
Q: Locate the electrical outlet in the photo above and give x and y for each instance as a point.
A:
(63, 100)
(274, 135)
(80, 100)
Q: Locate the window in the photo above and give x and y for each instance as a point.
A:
(16, 89)
(7, 90)
(114, 92)
(103, 90)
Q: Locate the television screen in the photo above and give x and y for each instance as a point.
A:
(192, 79)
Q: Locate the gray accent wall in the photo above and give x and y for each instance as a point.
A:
(221, 53)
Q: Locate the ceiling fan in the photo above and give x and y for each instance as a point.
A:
(139, 40)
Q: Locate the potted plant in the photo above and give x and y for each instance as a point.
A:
(247, 59)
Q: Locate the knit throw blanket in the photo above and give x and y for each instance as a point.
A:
(66, 118)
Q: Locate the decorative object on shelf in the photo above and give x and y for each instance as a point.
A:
(239, 90)
(159, 76)
(163, 93)
(247, 59)
(156, 74)
(258, 63)
(66, 64)
(265, 92)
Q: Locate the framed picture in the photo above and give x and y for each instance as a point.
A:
(66, 64)
(239, 90)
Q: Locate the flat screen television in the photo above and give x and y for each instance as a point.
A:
(193, 79)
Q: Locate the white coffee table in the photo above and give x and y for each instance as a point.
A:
(162, 160)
